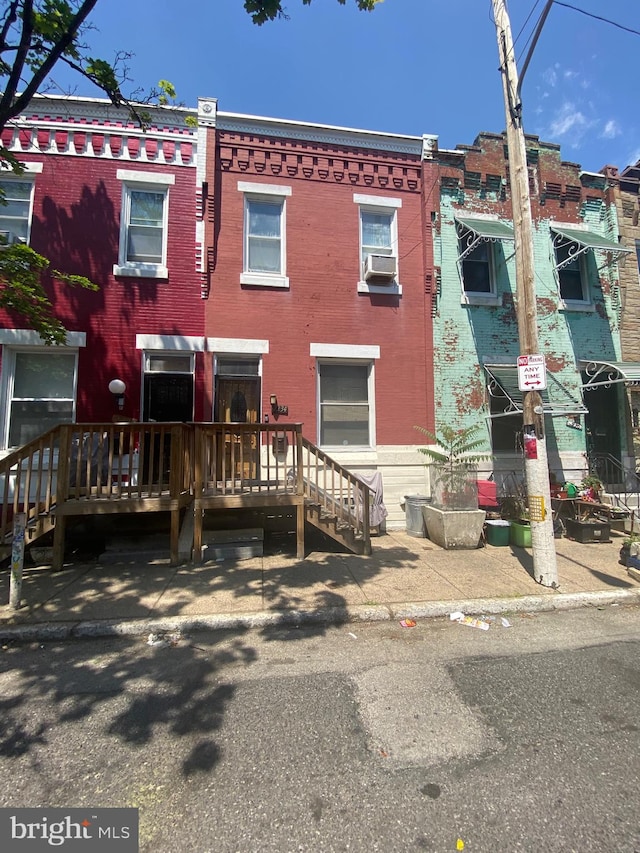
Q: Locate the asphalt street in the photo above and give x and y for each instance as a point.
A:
(371, 737)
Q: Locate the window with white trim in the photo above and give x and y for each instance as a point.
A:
(15, 212)
(378, 230)
(345, 409)
(40, 392)
(264, 244)
(143, 224)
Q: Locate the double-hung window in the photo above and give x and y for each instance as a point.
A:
(40, 388)
(344, 404)
(571, 273)
(264, 249)
(346, 397)
(143, 224)
(378, 243)
(482, 243)
(478, 275)
(17, 207)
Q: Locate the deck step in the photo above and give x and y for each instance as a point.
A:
(233, 544)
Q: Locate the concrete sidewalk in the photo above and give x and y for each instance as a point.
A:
(404, 576)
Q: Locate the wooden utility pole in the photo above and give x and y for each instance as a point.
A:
(536, 465)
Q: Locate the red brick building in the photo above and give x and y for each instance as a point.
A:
(250, 270)
(102, 198)
(319, 279)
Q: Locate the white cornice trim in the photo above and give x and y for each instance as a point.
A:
(325, 133)
(100, 109)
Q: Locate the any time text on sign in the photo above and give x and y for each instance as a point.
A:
(532, 373)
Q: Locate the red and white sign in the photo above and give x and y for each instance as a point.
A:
(532, 373)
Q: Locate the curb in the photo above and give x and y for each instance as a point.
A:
(330, 616)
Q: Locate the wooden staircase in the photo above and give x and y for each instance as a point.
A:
(95, 469)
(336, 501)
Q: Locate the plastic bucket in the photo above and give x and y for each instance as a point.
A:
(413, 511)
(520, 534)
(498, 532)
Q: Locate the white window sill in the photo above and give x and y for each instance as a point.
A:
(256, 279)
(571, 305)
(391, 289)
(141, 271)
(336, 449)
(489, 299)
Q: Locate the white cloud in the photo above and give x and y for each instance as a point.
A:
(610, 130)
(550, 76)
(569, 122)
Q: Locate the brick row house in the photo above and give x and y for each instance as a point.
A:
(626, 189)
(250, 270)
(319, 262)
(578, 298)
(263, 271)
(102, 198)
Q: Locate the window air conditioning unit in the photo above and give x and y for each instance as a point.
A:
(380, 266)
(7, 238)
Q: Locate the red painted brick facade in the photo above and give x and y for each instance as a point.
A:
(322, 303)
(76, 224)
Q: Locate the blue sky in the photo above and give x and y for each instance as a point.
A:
(409, 67)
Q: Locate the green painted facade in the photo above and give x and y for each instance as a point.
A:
(468, 335)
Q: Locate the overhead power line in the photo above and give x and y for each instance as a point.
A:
(598, 17)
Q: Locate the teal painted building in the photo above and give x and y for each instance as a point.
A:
(475, 327)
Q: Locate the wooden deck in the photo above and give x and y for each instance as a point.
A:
(97, 469)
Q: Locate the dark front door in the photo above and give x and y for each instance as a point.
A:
(602, 423)
(167, 398)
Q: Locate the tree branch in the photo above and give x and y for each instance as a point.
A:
(15, 107)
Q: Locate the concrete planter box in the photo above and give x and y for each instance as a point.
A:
(454, 529)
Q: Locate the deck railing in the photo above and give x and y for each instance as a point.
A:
(114, 462)
(234, 459)
(105, 467)
(336, 491)
(103, 462)
(28, 485)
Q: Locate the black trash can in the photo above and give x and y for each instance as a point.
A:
(413, 511)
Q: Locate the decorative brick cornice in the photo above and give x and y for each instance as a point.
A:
(291, 158)
(91, 128)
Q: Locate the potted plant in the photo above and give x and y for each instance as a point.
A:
(453, 519)
(591, 487)
(630, 550)
(515, 510)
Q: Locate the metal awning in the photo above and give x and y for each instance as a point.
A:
(478, 231)
(557, 401)
(602, 374)
(585, 240)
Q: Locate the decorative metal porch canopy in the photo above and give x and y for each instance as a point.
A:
(603, 374)
(583, 241)
(480, 231)
(557, 401)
